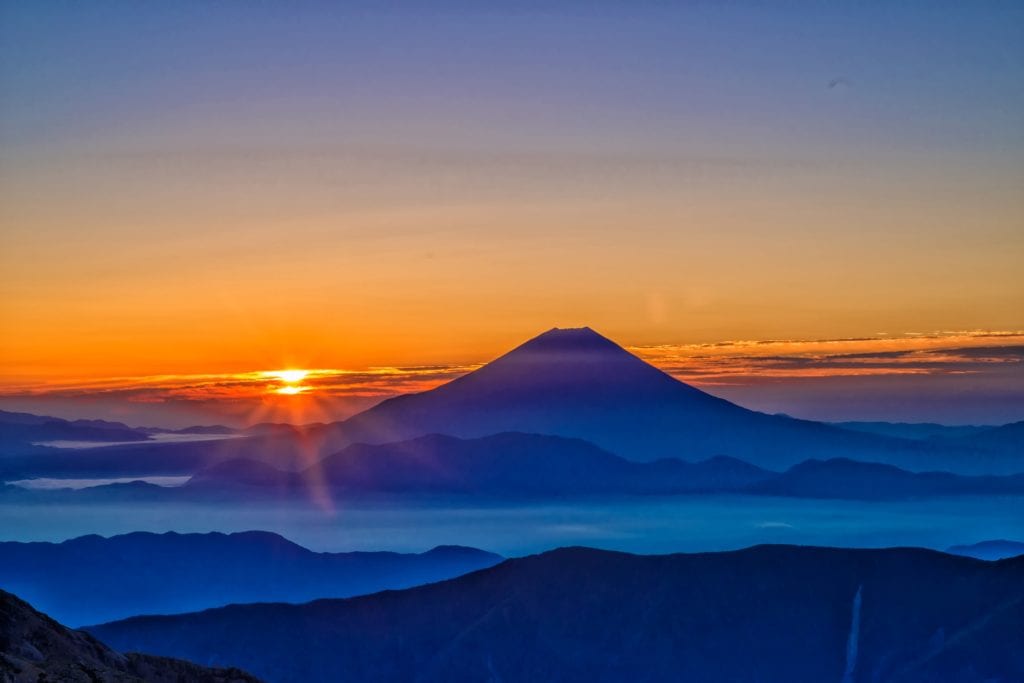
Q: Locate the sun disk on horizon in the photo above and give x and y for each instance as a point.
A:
(289, 376)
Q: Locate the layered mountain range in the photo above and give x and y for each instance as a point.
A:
(571, 383)
(90, 579)
(515, 465)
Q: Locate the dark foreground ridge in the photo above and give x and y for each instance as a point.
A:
(769, 613)
(36, 649)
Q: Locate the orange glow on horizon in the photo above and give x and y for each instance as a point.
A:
(326, 393)
(289, 376)
(730, 362)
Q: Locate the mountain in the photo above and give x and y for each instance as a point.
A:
(118, 492)
(990, 550)
(19, 431)
(105, 430)
(156, 457)
(518, 464)
(843, 478)
(533, 465)
(202, 430)
(768, 613)
(912, 430)
(1006, 438)
(509, 464)
(243, 474)
(91, 578)
(114, 449)
(530, 464)
(576, 383)
(34, 649)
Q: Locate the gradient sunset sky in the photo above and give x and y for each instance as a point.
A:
(193, 193)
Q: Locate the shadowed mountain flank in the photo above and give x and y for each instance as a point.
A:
(767, 613)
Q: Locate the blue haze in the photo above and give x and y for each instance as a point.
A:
(644, 525)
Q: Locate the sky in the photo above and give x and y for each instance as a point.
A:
(381, 190)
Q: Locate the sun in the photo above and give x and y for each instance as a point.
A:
(289, 376)
(290, 381)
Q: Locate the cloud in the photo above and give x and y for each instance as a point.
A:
(752, 362)
(379, 382)
(724, 362)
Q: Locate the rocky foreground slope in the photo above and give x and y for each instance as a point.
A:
(35, 648)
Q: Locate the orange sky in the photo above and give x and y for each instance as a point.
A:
(393, 189)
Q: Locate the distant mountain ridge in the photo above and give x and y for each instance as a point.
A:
(91, 578)
(534, 466)
(854, 480)
(24, 428)
(501, 464)
(115, 449)
(912, 430)
(990, 550)
(1008, 437)
(514, 464)
(767, 613)
(104, 430)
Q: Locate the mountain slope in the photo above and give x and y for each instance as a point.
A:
(989, 550)
(91, 578)
(1007, 438)
(509, 464)
(518, 464)
(576, 383)
(769, 613)
(532, 465)
(515, 464)
(19, 432)
(295, 450)
(842, 478)
(34, 649)
(912, 430)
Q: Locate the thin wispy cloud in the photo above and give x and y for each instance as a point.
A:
(737, 362)
(365, 383)
(750, 362)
